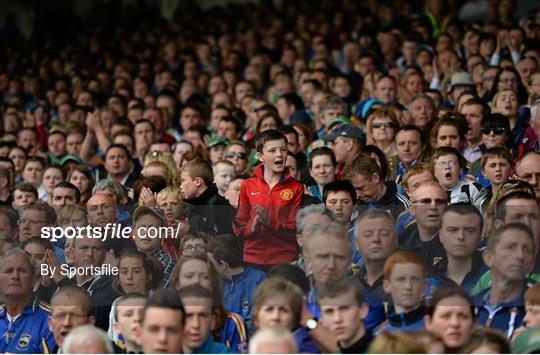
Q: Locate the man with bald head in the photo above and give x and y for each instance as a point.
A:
(23, 318)
(428, 204)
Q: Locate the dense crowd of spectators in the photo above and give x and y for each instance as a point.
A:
(328, 176)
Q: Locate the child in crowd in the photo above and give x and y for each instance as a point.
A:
(210, 213)
(268, 205)
(447, 171)
(223, 174)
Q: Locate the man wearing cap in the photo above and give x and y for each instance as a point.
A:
(148, 231)
(71, 161)
(302, 117)
(216, 148)
(461, 82)
(347, 141)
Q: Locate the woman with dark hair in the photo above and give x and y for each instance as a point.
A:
(18, 156)
(508, 78)
(137, 273)
(449, 131)
(496, 131)
(81, 177)
(268, 121)
(450, 314)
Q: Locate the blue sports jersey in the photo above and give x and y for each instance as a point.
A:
(507, 316)
(238, 291)
(29, 333)
(234, 334)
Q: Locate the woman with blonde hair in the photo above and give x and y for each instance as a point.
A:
(168, 161)
(277, 301)
(382, 125)
(396, 343)
(506, 102)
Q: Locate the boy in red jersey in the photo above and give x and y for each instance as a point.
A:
(268, 205)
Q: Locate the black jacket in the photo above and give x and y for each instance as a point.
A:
(210, 213)
(431, 252)
(361, 346)
(392, 201)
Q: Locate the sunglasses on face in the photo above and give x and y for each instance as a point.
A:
(496, 131)
(236, 155)
(383, 125)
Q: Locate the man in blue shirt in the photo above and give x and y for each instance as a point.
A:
(239, 282)
(510, 257)
(23, 318)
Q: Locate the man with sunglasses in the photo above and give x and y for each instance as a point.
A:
(422, 235)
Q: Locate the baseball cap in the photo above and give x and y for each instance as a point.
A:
(348, 130)
(527, 342)
(142, 210)
(300, 116)
(218, 140)
(461, 78)
(74, 158)
(337, 120)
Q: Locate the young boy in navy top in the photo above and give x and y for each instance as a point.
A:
(268, 205)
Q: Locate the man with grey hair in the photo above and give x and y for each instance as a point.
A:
(23, 318)
(422, 109)
(273, 340)
(376, 241)
(528, 170)
(306, 217)
(329, 252)
(87, 339)
(332, 108)
(125, 204)
(533, 143)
